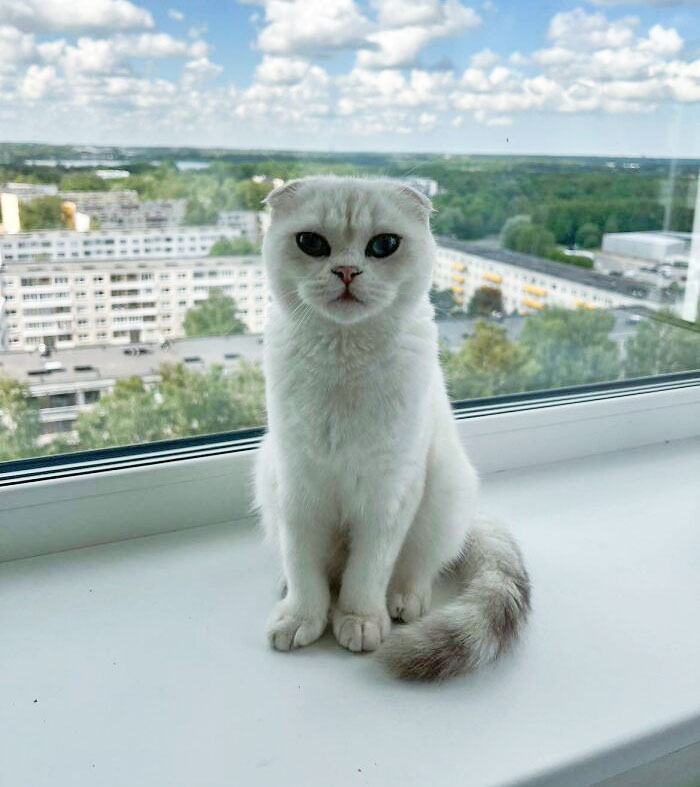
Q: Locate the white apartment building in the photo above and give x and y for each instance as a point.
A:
(173, 242)
(528, 284)
(660, 247)
(247, 221)
(122, 209)
(66, 304)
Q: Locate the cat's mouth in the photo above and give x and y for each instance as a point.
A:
(347, 296)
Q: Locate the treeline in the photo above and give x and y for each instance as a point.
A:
(477, 193)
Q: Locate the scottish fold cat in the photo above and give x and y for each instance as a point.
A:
(362, 481)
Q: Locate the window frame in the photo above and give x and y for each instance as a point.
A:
(50, 504)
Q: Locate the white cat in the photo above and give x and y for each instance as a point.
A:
(362, 480)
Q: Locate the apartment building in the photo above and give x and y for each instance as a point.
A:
(249, 222)
(122, 209)
(74, 303)
(528, 284)
(115, 244)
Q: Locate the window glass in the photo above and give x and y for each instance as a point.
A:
(561, 154)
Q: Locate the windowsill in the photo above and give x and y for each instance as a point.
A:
(148, 662)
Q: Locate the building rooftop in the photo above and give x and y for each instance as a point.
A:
(83, 364)
(659, 239)
(109, 233)
(561, 270)
(113, 264)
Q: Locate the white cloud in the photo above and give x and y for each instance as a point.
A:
(301, 102)
(16, 48)
(200, 72)
(311, 26)
(484, 59)
(518, 59)
(399, 46)
(173, 13)
(653, 3)
(281, 70)
(37, 81)
(78, 15)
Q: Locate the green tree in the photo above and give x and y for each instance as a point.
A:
(215, 316)
(588, 236)
(486, 364)
(19, 420)
(199, 213)
(210, 401)
(251, 194)
(129, 415)
(225, 247)
(82, 181)
(661, 348)
(42, 213)
(443, 302)
(570, 347)
(184, 403)
(529, 239)
(485, 301)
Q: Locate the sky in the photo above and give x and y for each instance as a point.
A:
(594, 77)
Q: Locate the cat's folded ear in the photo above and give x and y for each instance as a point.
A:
(283, 194)
(417, 201)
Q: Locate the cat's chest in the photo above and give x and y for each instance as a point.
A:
(327, 409)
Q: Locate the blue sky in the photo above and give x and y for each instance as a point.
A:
(591, 78)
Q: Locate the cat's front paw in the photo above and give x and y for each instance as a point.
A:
(408, 604)
(289, 628)
(360, 632)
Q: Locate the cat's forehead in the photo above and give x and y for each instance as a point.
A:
(349, 205)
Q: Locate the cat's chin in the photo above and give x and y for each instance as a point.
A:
(345, 311)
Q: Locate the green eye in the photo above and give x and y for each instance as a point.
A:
(382, 245)
(313, 244)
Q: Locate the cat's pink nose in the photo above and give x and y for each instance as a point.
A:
(346, 272)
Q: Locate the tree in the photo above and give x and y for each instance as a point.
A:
(659, 348)
(485, 301)
(82, 181)
(215, 316)
(487, 363)
(197, 213)
(129, 415)
(443, 303)
(529, 238)
(42, 213)
(251, 194)
(205, 402)
(19, 420)
(225, 247)
(570, 347)
(588, 236)
(184, 403)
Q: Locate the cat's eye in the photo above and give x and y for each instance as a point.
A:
(313, 244)
(382, 245)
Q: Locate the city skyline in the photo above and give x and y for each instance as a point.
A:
(559, 78)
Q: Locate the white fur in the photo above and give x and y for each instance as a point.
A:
(362, 447)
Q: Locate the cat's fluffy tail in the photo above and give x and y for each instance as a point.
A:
(478, 625)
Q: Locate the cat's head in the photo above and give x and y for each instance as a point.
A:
(348, 248)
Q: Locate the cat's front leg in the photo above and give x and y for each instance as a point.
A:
(302, 615)
(360, 618)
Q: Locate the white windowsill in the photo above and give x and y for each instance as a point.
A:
(149, 665)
